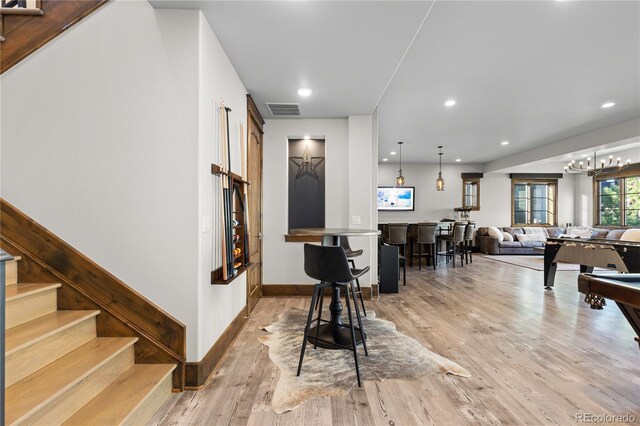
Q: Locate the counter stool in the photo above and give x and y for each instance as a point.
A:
(456, 238)
(468, 242)
(330, 266)
(426, 236)
(344, 243)
(397, 236)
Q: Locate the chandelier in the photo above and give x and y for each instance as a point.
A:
(400, 178)
(592, 168)
(440, 180)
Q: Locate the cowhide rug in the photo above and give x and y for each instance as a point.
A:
(326, 372)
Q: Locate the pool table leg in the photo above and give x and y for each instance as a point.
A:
(633, 316)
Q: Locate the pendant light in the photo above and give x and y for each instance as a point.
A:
(400, 178)
(440, 181)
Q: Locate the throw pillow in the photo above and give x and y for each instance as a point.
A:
(531, 237)
(631, 235)
(579, 231)
(535, 230)
(554, 231)
(496, 233)
(614, 234)
(507, 236)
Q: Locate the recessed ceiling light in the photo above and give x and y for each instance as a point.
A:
(304, 91)
(307, 137)
(392, 153)
(458, 160)
(450, 103)
(607, 105)
(385, 159)
(504, 143)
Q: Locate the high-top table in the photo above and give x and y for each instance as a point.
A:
(334, 331)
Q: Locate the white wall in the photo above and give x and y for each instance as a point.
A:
(495, 194)
(583, 200)
(217, 305)
(362, 191)
(282, 261)
(117, 162)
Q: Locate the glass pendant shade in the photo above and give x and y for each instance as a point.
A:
(400, 178)
(440, 182)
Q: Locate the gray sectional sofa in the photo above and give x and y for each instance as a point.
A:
(491, 245)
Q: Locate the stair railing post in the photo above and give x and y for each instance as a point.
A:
(4, 257)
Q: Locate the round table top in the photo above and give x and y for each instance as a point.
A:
(332, 232)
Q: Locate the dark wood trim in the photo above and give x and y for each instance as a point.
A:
(553, 182)
(475, 180)
(289, 290)
(471, 175)
(254, 112)
(217, 170)
(612, 173)
(615, 172)
(24, 34)
(197, 373)
(528, 176)
(125, 312)
(216, 275)
(301, 239)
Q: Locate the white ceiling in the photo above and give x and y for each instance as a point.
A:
(530, 72)
(345, 52)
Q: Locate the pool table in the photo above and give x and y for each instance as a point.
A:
(624, 289)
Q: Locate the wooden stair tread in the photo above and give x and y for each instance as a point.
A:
(20, 11)
(114, 405)
(35, 391)
(18, 291)
(31, 332)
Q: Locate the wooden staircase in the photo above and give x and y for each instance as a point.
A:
(27, 25)
(58, 371)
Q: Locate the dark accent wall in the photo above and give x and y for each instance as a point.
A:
(306, 183)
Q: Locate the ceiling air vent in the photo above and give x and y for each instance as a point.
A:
(279, 109)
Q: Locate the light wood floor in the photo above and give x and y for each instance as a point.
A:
(537, 357)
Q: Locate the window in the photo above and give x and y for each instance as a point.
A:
(534, 202)
(618, 199)
(471, 193)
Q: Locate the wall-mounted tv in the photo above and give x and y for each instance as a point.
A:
(392, 198)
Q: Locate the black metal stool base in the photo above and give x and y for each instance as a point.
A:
(330, 337)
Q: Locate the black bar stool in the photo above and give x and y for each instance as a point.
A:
(330, 266)
(344, 242)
